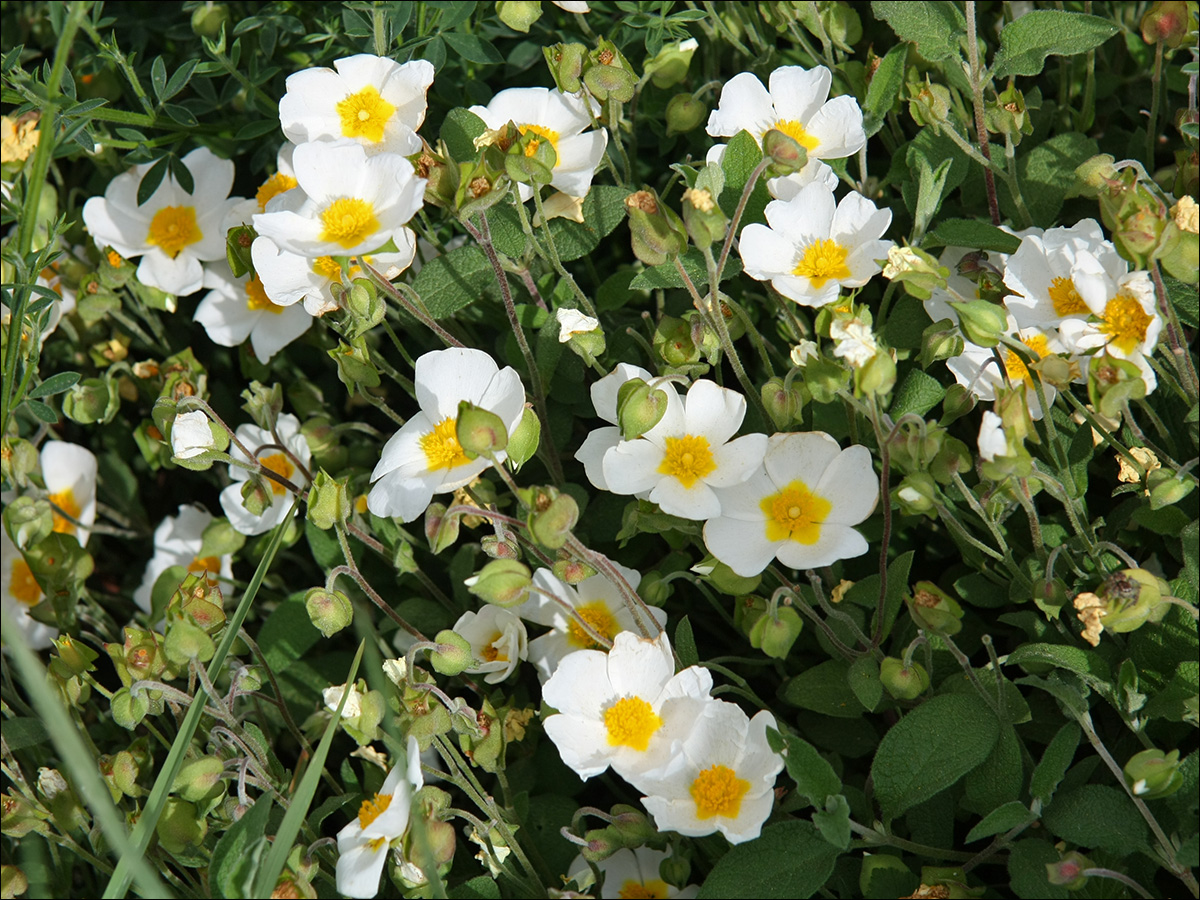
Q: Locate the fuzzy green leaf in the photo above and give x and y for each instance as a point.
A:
(789, 859)
(1026, 42)
(976, 235)
(455, 280)
(936, 28)
(1098, 816)
(1002, 818)
(884, 88)
(1056, 759)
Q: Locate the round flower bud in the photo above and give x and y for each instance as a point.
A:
(656, 231)
(902, 683)
(786, 154)
(453, 653)
(91, 400)
(684, 113)
(783, 404)
(329, 611)
(1167, 488)
(639, 407)
(181, 829)
(981, 321)
(602, 843)
(934, 610)
(552, 517)
(480, 432)
(1152, 774)
(917, 495)
(209, 18)
(519, 15)
(328, 502)
(197, 777)
(524, 440)
(504, 582)
(1068, 871)
(775, 634)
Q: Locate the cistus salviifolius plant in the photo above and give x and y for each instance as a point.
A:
(614, 449)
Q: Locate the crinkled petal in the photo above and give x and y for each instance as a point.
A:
(632, 466)
(737, 460)
(836, 542)
(739, 544)
(802, 455)
(713, 412)
(745, 105)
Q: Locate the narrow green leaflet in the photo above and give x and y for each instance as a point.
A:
(1026, 42)
(1001, 819)
(1056, 759)
(936, 28)
(884, 88)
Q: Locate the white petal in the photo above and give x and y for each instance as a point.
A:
(836, 542)
(274, 331)
(444, 377)
(803, 456)
(696, 502)
(713, 412)
(632, 466)
(745, 105)
(737, 460)
(740, 545)
(592, 451)
(838, 127)
(850, 485)
(766, 253)
(799, 93)
(179, 276)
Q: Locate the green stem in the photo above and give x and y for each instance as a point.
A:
(556, 260)
(1014, 184)
(981, 134)
(1155, 99)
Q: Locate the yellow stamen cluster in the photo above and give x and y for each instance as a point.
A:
(1066, 299)
(688, 458)
(598, 618)
(824, 260)
(281, 466)
(1126, 321)
(173, 228)
(442, 450)
(548, 133)
(65, 500)
(797, 133)
(795, 514)
(365, 114)
(372, 809)
(655, 889)
(348, 221)
(718, 791)
(22, 586)
(273, 187)
(631, 722)
(1015, 366)
(257, 299)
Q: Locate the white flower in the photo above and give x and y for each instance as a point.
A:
(281, 182)
(604, 400)
(372, 100)
(348, 203)
(787, 186)
(272, 456)
(853, 341)
(597, 601)
(722, 779)
(191, 435)
(572, 321)
(424, 458)
(240, 308)
(633, 873)
(810, 249)
(993, 441)
(798, 508)
(498, 641)
(561, 119)
(625, 708)
(572, 6)
(173, 231)
(1052, 271)
(976, 368)
(289, 278)
(69, 472)
(20, 592)
(688, 453)
(1124, 321)
(561, 206)
(803, 352)
(333, 696)
(178, 541)
(363, 844)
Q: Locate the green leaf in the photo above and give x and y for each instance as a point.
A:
(472, 48)
(999, 778)
(1026, 42)
(685, 643)
(256, 129)
(481, 887)
(932, 187)
(1056, 759)
(1047, 174)
(603, 211)
(55, 384)
(152, 179)
(1097, 816)
(1085, 663)
(918, 393)
(930, 749)
(864, 681)
(459, 130)
(42, 411)
(179, 79)
(976, 235)
(667, 276)
(834, 822)
(897, 587)
(884, 88)
(788, 860)
(226, 874)
(814, 776)
(182, 115)
(287, 634)
(1184, 298)
(455, 280)
(158, 77)
(1002, 818)
(742, 155)
(824, 688)
(1027, 871)
(936, 28)
(24, 731)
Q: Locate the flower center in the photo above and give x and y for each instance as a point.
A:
(65, 500)
(327, 267)
(1066, 299)
(688, 458)
(797, 133)
(823, 260)
(795, 514)
(601, 621)
(547, 133)
(257, 299)
(1015, 366)
(1126, 321)
(638, 890)
(209, 565)
(273, 187)
(280, 465)
(365, 115)
(23, 586)
(491, 652)
(718, 792)
(631, 722)
(372, 809)
(442, 450)
(173, 228)
(348, 221)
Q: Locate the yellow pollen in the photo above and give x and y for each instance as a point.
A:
(257, 299)
(114, 259)
(797, 133)
(365, 115)
(688, 458)
(637, 890)
(173, 228)
(348, 221)
(273, 187)
(631, 722)
(442, 450)
(280, 465)
(210, 565)
(601, 621)
(23, 586)
(327, 267)
(547, 133)
(372, 809)
(795, 514)
(65, 500)
(824, 260)
(491, 653)
(1015, 366)
(718, 791)
(1126, 321)
(1066, 299)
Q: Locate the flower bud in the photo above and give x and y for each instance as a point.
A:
(657, 232)
(570, 570)
(1180, 251)
(917, 495)
(18, 458)
(1152, 774)
(639, 407)
(957, 403)
(929, 104)
(366, 307)
(1007, 115)
(934, 610)
(328, 501)
(453, 653)
(524, 440)
(669, 66)
(824, 378)
(1094, 173)
(784, 405)
(902, 683)
(479, 432)
(787, 155)
(551, 517)
(186, 642)
(73, 656)
(1068, 871)
(13, 882)
(654, 590)
(128, 710)
(953, 457)
(684, 113)
(194, 436)
(673, 341)
(1167, 488)
(982, 322)
(566, 65)
(504, 582)
(519, 15)
(601, 843)
(775, 634)
(181, 829)
(441, 530)
(354, 366)
(1169, 21)
(705, 221)
(256, 496)
(123, 770)
(1112, 383)
(876, 376)
(197, 777)
(91, 400)
(633, 825)
(440, 174)
(329, 611)
(208, 19)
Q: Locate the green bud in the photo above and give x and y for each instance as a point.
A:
(953, 457)
(784, 405)
(366, 307)
(209, 18)
(186, 642)
(570, 570)
(654, 589)
(13, 882)
(1112, 383)
(552, 515)
(841, 23)
(933, 609)
(1007, 115)
(1152, 774)
(824, 378)
(775, 634)
(876, 376)
(1167, 488)
(519, 15)
(181, 829)
(657, 233)
(727, 581)
(902, 683)
(92, 400)
(917, 495)
(440, 174)
(929, 104)
(479, 432)
(256, 496)
(328, 500)
(524, 440)
(1170, 22)
(453, 653)
(128, 710)
(238, 242)
(639, 407)
(28, 521)
(957, 403)
(1180, 253)
(220, 539)
(1068, 871)
(787, 155)
(633, 825)
(1094, 174)
(123, 770)
(324, 443)
(684, 113)
(982, 322)
(73, 656)
(18, 459)
(601, 843)
(139, 658)
(329, 611)
(669, 66)
(504, 582)
(705, 221)
(441, 530)
(674, 342)
(487, 751)
(565, 62)
(355, 369)
(198, 777)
